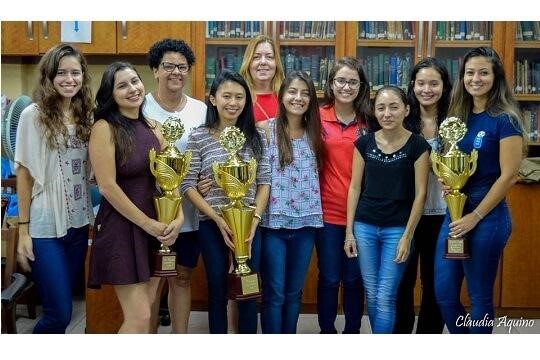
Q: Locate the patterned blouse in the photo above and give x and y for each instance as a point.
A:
(295, 196)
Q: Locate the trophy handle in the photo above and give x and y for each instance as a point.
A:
(152, 156)
(252, 166)
(473, 161)
(187, 164)
(217, 178)
(435, 163)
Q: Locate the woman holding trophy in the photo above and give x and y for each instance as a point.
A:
(229, 106)
(483, 101)
(294, 211)
(125, 228)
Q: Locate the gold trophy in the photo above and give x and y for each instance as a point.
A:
(169, 168)
(235, 176)
(455, 167)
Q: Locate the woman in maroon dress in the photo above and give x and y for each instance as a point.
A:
(125, 229)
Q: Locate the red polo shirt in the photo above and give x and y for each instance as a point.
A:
(265, 106)
(335, 177)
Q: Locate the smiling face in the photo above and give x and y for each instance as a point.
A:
(428, 87)
(263, 64)
(296, 98)
(69, 77)
(345, 94)
(128, 91)
(478, 77)
(390, 110)
(230, 100)
(171, 81)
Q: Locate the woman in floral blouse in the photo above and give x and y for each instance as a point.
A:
(294, 208)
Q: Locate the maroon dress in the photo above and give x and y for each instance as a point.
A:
(120, 251)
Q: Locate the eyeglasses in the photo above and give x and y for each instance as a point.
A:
(353, 83)
(169, 67)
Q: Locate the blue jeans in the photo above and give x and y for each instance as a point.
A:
(486, 243)
(376, 253)
(215, 255)
(286, 254)
(336, 268)
(58, 266)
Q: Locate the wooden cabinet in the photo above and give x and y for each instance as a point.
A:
(521, 258)
(136, 37)
(103, 39)
(36, 37)
(20, 37)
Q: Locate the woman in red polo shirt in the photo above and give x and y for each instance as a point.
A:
(344, 115)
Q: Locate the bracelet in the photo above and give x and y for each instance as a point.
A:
(477, 213)
(350, 240)
(257, 216)
(24, 222)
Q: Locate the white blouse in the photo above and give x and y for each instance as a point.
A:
(60, 195)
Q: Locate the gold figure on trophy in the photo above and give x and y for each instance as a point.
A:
(169, 168)
(455, 167)
(235, 176)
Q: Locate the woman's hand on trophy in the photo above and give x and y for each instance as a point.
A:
(171, 231)
(445, 188)
(203, 185)
(464, 225)
(225, 231)
(154, 227)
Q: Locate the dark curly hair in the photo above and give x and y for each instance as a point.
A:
(156, 52)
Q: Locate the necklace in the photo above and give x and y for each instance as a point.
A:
(169, 108)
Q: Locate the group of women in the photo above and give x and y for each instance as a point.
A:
(350, 178)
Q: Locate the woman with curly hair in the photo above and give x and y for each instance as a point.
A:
(51, 161)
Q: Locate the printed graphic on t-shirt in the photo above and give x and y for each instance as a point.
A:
(478, 139)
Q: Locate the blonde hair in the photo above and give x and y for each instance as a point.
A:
(246, 62)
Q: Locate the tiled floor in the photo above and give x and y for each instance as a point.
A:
(198, 323)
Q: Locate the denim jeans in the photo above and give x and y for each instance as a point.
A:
(58, 266)
(486, 243)
(215, 255)
(285, 258)
(377, 248)
(429, 318)
(336, 268)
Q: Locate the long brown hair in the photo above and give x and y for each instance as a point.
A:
(311, 122)
(500, 98)
(49, 100)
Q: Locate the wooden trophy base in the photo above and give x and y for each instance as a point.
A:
(243, 287)
(164, 264)
(457, 248)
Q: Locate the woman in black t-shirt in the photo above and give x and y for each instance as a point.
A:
(380, 223)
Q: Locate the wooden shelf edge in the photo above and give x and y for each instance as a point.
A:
(306, 42)
(461, 43)
(227, 41)
(527, 44)
(385, 43)
(527, 97)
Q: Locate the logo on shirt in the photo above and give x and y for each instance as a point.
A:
(478, 139)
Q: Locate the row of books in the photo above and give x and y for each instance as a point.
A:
(463, 30)
(214, 65)
(316, 65)
(527, 77)
(383, 69)
(307, 29)
(387, 30)
(527, 30)
(532, 123)
(233, 29)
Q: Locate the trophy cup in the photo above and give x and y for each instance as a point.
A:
(169, 168)
(235, 176)
(455, 167)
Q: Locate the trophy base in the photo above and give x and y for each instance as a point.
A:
(457, 248)
(164, 264)
(243, 287)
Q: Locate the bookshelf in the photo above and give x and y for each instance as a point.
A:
(522, 67)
